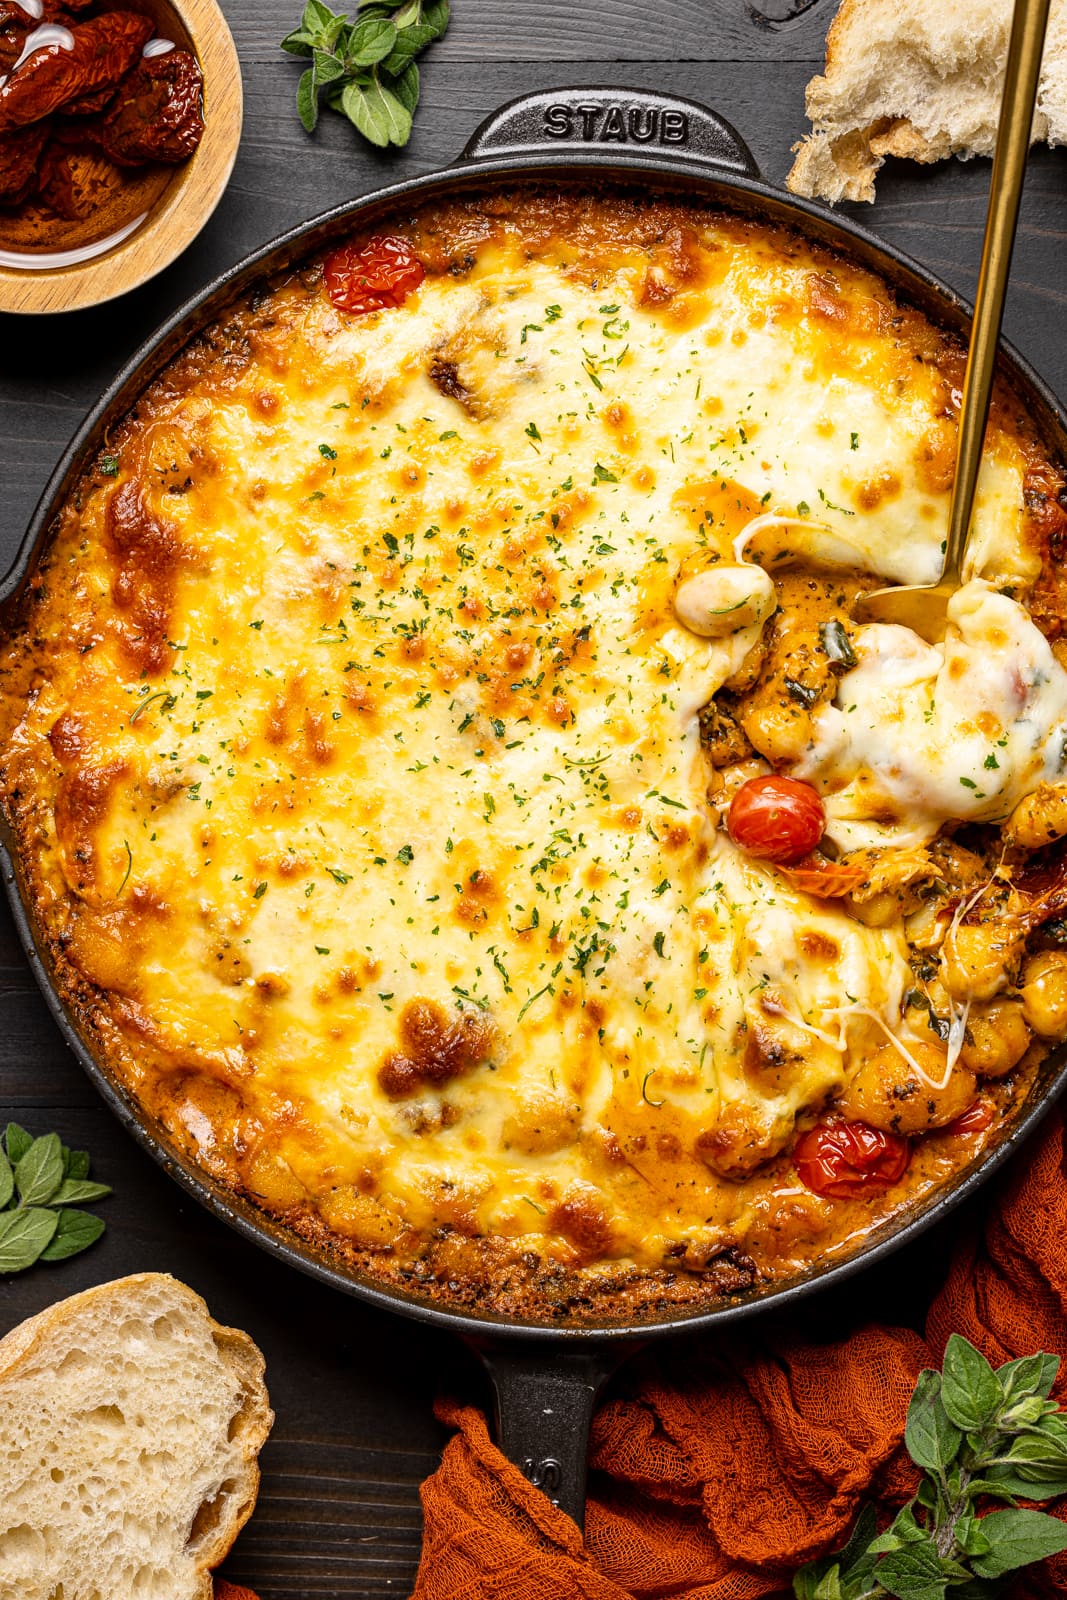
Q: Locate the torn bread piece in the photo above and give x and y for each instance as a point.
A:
(130, 1427)
(905, 78)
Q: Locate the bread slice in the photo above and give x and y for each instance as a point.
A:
(916, 78)
(130, 1424)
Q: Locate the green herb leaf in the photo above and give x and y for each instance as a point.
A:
(903, 1530)
(408, 44)
(307, 100)
(76, 1231)
(1030, 1375)
(298, 43)
(377, 113)
(1005, 1484)
(980, 1435)
(913, 1572)
(1016, 1538)
(24, 1235)
(931, 1438)
(366, 67)
(327, 68)
(406, 88)
(7, 1181)
(436, 16)
(835, 642)
(370, 41)
(76, 1164)
(16, 1142)
(72, 1190)
(39, 1173)
(970, 1391)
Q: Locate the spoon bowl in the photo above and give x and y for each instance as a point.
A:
(922, 607)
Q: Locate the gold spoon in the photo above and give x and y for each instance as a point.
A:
(922, 607)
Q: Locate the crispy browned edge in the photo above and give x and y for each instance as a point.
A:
(525, 1286)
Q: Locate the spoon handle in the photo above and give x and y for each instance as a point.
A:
(1005, 191)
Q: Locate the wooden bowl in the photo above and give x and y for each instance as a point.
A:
(179, 200)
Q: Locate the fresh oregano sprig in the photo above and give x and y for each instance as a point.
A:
(366, 68)
(40, 1179)
(980, 1435)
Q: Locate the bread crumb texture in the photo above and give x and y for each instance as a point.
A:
(906, 78)
(130, 1425)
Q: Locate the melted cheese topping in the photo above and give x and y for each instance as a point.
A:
(924, 732)
(363, 754)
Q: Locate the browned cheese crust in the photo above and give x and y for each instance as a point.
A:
(369, 789)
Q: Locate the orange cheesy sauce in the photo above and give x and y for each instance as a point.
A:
(360, 763)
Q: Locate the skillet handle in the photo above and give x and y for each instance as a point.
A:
(543, 1399)
(612, 124)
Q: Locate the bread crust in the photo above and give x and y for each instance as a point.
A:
(899, 81)
(41, 1338)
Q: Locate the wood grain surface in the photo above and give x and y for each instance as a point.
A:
(353, 1389)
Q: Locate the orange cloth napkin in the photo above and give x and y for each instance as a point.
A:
(717, 1473)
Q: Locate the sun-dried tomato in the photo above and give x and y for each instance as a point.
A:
(90, 105)
(376, 276)
(157, 112)
(19, 155)
(104, 50)
(826, 879)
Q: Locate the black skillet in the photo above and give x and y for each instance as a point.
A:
(545, 1378)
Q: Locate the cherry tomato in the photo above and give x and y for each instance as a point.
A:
(378, 275)
(777, 819)
(845, 1159)
(976, 1119)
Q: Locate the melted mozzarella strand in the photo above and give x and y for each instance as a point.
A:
(919, 734)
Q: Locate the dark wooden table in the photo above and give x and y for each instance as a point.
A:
(339, 1513)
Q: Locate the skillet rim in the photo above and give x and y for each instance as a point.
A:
(703, 181)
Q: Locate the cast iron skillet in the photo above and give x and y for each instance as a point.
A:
(545, 1379)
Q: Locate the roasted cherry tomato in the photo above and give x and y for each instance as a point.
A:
(380, 274)
(844, 1159)
(778, 819)
(976, 1119)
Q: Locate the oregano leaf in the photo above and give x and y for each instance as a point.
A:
(1030, 1375)
(327, 68)
(377, 113)
(1029, 1483)
(24, 1234)
(406, 88)
(366, 66)
(970, 1389)
(39, 1173)
(16, 1142)
(77, 1164)
(408, 45)
(829, 1585)
(805, 1581)
(76, 1231)
(298, 43)
(436, 15)
(73, 1190)
(307, 100)
(913, 1572)
(932, 1439)
(370, 42)
(1017, 1537)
